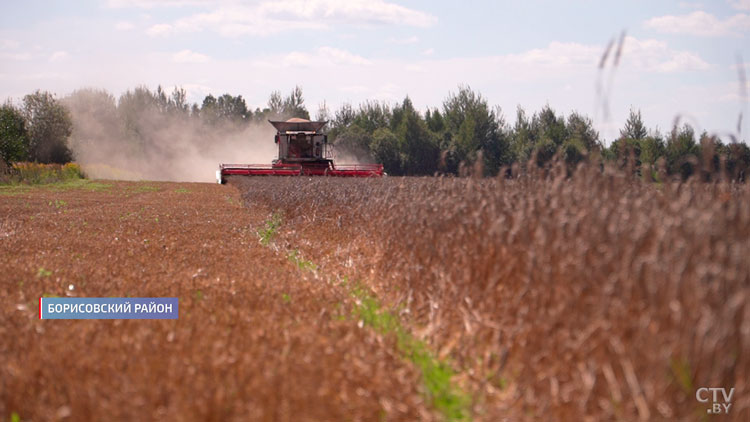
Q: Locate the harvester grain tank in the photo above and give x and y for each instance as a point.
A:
(303, 151)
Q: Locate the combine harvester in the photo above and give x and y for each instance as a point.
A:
(303, 151)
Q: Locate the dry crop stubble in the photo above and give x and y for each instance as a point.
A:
(597, 295)
(257, 338)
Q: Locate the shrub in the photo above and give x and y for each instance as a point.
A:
(36, 173)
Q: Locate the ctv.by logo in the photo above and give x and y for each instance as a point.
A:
(720, 403)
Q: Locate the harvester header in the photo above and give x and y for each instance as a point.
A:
(303, 151)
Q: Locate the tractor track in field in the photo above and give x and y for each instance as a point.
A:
(258, 337)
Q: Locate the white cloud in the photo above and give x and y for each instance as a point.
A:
(557, 54)
(409, 40)
(640, 55)
(150, 4)
(9, 44)
(691, 5)
(338, 56)
(15, 56)
(231, 19)
(682, 61)
(159, 30)
(324, 56)
(298, 59)
(196, 92)
(389, 92)
(354, 89)
(235, 21)
(701, 24)
(124, 26)
(350, 11)
(58, 56)
(428, 52)
(740, 4)
(656, 56)
(187, 56)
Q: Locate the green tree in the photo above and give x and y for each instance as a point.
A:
(417, 146)
(474, 127)
(97, 126)
(434, 121)
(652, 148)
(581, 129)
(294, 105)
(372, 115)
(626, 151)
(275, 105)
(549, 134)
(178, 101)
(681, 151)
(14, 140)
(737, 161)
(49, 125)
(162, 101)
(231, 108)
(323, 113)
(209, 111)
(634, 127)
(523, 139)
(354, 142)
(385, 150)
(343, 117)
(582, 139)
(549, 126)
(141, 115)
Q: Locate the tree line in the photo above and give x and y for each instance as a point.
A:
(465, 131)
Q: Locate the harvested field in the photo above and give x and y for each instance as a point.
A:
(257, 338)
(591, 298)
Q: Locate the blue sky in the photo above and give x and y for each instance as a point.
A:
(679, 58)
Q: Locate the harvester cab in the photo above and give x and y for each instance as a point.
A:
(303, 151)
(300, 141)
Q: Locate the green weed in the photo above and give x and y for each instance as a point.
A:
(269, 230)
(145, 188)
(37, 173)
(43, 273)
(300, 262)
(682, 374)
(18, 188)
(447, 398)
(58, 203)
(129, 215)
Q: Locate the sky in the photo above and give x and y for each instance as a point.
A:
(678, 59)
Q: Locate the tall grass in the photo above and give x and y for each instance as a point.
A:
(36, 173)
(556, 297)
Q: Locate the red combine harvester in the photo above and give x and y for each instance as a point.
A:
(303, 151)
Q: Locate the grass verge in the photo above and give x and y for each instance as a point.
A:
(36, 173)
(15, 188)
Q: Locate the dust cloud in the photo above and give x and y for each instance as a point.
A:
(142, 139)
